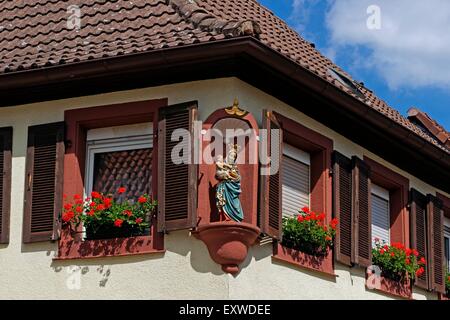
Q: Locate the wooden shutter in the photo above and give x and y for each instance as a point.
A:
(418, 227)
(5, 182)
(342, 207)
(435, 215)
(362, 230)
(177, 183)
(43, 182)
(270, 184)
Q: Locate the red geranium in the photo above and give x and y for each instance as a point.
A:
(396, 261)
(67, 216)
(334, 223)
(307, 232)
(104, 211)
(121, 190)
(96, 195)
(420, 271)
(107, 202)
(128, 213)
(142, 199)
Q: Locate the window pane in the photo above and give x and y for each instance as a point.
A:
(380, 218)
(130, 169)
(295, 186)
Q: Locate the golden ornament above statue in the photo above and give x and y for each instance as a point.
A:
(234, 110)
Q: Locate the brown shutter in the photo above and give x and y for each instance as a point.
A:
(342, 207)
(435, 214)
(418, 227)
(362, 230)
(270, 206)
(43, 182)
(5, 182)
(177, 183)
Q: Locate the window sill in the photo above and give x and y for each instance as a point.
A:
(76, 249)
(394, 288)
(297, 258)
(443, 296)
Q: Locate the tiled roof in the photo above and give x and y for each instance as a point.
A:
(34, 34)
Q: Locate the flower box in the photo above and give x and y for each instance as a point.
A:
(105, 218)
(391, 287)
(444, 296)
(323, 263)
(71, 247)
(111, 232)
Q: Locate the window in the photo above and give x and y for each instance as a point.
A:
(447, 242)
(119, 157)
(94, 126)
(347, 82)
(304, 180)
(380, 213)
(295, 177)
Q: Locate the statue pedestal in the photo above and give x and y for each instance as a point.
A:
(228, 242)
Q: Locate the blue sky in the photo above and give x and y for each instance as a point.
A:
(405, 59)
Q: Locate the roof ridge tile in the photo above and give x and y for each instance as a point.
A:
(202, 18)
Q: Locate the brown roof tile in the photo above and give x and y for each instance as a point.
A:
(34, 34)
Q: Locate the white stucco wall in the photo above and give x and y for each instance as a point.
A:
(185, 271)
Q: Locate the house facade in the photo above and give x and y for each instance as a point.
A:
(131, 97)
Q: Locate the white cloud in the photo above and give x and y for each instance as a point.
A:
(412, 48)
(301, 12)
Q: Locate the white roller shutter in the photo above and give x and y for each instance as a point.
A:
(380, 214)
(295, 180)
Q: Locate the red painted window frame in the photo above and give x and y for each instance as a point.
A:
(320, 149)
(446, 202)
(78, 121)
(398, 187)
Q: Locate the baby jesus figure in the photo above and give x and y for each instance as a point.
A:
(229, 187)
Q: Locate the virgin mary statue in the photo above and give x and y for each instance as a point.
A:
(229, 187)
